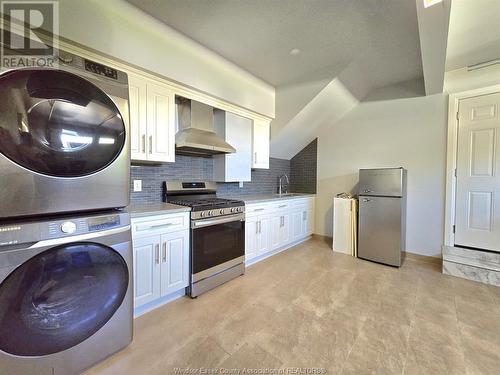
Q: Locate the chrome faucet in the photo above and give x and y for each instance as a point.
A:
(280, 188)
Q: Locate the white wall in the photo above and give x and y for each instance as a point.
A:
(118, 29)
(462, 80)
(335, 100)
(385, 132)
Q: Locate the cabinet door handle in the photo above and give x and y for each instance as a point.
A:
(150, 144)
(256, 227)
(260, 226)
(157, 253)
(143, 143)
(164, 255)
(254, 157)
(304, 216)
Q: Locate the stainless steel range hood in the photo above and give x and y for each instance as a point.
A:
(196, 135)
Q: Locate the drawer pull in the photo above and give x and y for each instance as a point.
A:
(259, 209)
(282, 206)
(140, 228)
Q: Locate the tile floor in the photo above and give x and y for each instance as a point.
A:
(308, 307)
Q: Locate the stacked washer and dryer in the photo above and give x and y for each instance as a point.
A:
(66, 296)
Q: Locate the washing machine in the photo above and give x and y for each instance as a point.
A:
(66, 295)
(64, 142)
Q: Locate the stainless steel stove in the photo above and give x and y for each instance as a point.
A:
(217, 233)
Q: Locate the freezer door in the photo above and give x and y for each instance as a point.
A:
(382, 182)
(380, 229)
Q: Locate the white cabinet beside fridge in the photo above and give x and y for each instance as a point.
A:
(276, 225)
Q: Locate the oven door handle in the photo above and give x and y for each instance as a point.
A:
(209, 222)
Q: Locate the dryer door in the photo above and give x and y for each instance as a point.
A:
(60, 297)
(57, 123)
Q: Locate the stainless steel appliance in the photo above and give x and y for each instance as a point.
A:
(66, 295)
(382, 215)
(196, 135)
(217, 234)
(64, 143)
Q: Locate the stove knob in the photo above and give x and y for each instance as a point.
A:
(202, 214)
(221, 212)
(210, 213)
(232, 210)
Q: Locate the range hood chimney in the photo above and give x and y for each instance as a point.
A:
(196, 135)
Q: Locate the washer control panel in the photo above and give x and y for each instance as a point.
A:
(68, 227)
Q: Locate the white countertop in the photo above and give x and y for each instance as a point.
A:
(249, 199)
(150, 209)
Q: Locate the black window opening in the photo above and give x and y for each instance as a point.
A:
(60, 298)
(58, 124)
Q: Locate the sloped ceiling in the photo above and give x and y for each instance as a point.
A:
(474, 34)
(380, 35)
(347, 48)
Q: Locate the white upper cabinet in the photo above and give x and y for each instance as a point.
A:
(161, 123)
(152, 120)
(138, 124)
(237, 131)
(260, 144)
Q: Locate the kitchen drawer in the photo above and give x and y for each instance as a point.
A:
(302, 202)
(280, 206)
(257, 209)
(160, 224)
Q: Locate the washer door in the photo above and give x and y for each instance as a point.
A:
(57, 123)
(60, 297)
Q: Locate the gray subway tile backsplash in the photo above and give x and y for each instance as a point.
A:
(188, 168)
(303, 169)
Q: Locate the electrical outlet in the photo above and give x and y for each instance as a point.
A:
(241, 184)
(137, 185)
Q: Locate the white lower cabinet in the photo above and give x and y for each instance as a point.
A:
(174, 262)
(146, 270)
(161, 257)
(280, 230)
(257, 236)
(275, 225)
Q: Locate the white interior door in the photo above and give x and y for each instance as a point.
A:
(478, 174)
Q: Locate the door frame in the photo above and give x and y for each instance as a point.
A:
(452, 154)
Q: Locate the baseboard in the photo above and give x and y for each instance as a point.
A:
(259, 258)
(423, 258)
(141, 310)
(326, 239)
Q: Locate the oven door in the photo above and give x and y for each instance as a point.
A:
(216, 243)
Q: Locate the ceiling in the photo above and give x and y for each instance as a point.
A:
(381, 36)
(474, 33)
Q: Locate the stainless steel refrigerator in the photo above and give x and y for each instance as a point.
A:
(382, 215)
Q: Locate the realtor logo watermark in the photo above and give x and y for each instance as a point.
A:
(29, 34)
